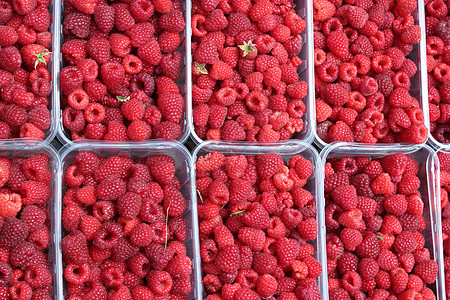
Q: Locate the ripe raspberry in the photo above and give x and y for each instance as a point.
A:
(345, 196)
(252, 237)
(171, 106)
(13, 232)
(228, 260)
(33, 216)
(75, 248)
(129, 205)
(341, 132)
(382, 185)
(10, 205)
(337, 42)
(427, 271)
(269, 164)
(150, 52)
(174, 202)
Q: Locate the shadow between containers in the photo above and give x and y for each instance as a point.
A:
(183, 166)
(429, 176)
(314, 185)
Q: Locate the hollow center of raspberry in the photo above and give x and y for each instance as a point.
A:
(109, 237)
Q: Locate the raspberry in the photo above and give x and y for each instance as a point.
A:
(128, 205)
(396, 204)
(351, 238)
(13, 232)
(75, 248)
(325, 10)
(382, 185)
(254, 238)
(171, 106)
(179, 266)
(33, 216)
(174, 202)
(38, 276)
(427, 271)
(70, 79)
(89, 226)
(10, 205)
(269, 164)
(111, 189)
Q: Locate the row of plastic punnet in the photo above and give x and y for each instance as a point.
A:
(62, 133)
(286, 150)
(183, 167)
(419, 85)
(185, 171)
(428, 174)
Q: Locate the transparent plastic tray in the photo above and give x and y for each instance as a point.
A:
(53, 103)
(314, 184)
(58, 39)
(306, 71)
(429, 189)
(419, 83)
(30, 148)
(183, 163)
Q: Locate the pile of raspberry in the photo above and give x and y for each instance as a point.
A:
(122, 66)
(438, 67)
(125, 229)
(444, 161)
(257, 227)
(25, 82)
(362, 73)
(374, 218)
(24, 228)
(246, 84)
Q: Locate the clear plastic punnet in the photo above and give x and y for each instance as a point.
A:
(306, 71)
(53, 102)
(314, 185)
(447, 151)
(419, 85)
(183, 167)
(28, 148)
(62, 133)
(429, 190)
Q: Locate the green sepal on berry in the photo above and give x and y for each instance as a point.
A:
(41, 57)
(123, 99)
(247, 48)
(201, 68)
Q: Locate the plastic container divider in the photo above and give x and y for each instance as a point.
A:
(419, 82)
(183, 166)
(306, 71)
(63, 135)
(30, 148)
(286, 150)
(429, 189)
